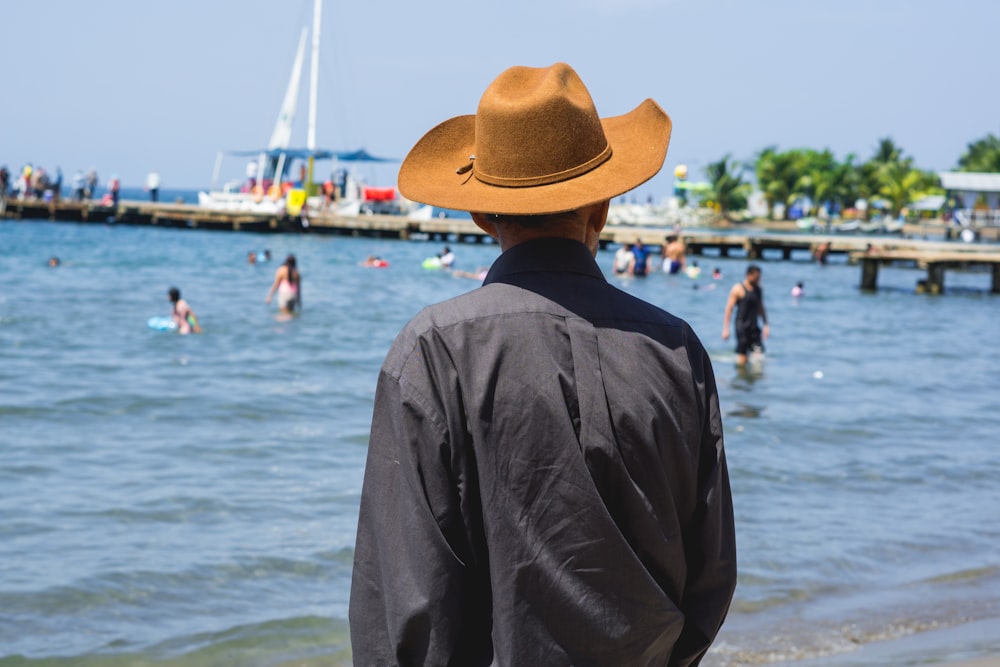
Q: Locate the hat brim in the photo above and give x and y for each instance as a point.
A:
(428, 175)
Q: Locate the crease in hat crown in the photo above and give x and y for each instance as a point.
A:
(537, 126)
(536, 145)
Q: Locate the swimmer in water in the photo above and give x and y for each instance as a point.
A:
(181, 313)
(447, 258)
(799, 290)
(288, 284)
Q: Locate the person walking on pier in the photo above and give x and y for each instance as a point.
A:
(747, 297)
(57, 185)
(153, 185)
(114, 188)
(91, 182)
(533, 494)
(77, 184)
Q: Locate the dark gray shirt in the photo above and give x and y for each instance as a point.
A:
(546, 482)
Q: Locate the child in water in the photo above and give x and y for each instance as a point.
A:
(181, 313)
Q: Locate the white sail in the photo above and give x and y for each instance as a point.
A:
(283, 128)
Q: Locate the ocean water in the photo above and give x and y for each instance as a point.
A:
(192, 500)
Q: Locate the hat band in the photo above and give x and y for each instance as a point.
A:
(545, 179)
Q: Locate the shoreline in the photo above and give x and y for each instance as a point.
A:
(966, 644)
(945, 621)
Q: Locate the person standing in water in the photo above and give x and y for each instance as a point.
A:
(288, 284)
(181, 313)
(748, 298)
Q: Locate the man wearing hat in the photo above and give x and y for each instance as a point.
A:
(546, 482)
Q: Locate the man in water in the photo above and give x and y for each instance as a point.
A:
(534, 495)
(748, 298)
(623, 259)
(674, 254)
(640, 259)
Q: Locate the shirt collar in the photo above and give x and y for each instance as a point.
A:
(544, 255)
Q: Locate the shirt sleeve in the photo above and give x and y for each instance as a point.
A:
(710, 540)
(411, 597)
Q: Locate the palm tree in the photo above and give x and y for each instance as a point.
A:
(728, 190)
(816, 180)
(900, 184)
(885, 170)
(982, 155)
(779, 176)
(845, 181)
(887, 151)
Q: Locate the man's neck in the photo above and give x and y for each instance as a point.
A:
(585, 228)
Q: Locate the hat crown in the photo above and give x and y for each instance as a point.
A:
(536, 126)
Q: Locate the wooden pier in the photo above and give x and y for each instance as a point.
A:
(870, 252)
(935, 261)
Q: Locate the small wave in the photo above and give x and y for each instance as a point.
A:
(308, 641)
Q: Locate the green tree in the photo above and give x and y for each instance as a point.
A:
(884, 172)
(887, 152)
(779, 176)
(981, 155)
(816, 180)
(898, 184)
(844, 183)
(728, 189)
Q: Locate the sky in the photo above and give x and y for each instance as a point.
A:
(130, 87)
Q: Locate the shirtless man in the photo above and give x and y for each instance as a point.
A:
(748, 298)
(674, 252)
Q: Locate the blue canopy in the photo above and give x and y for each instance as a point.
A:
(360, 155)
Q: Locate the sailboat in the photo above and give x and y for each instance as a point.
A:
(269, 186)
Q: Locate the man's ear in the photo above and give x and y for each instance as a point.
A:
(596, 218)
(599, 215)
(483, 222)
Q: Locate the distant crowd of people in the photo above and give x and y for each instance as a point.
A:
(33, 182)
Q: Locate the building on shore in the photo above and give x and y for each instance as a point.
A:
(976, 195)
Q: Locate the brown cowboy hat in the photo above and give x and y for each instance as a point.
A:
(536, 145)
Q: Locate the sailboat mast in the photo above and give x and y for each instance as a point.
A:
(313, 86)
(314, 75)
